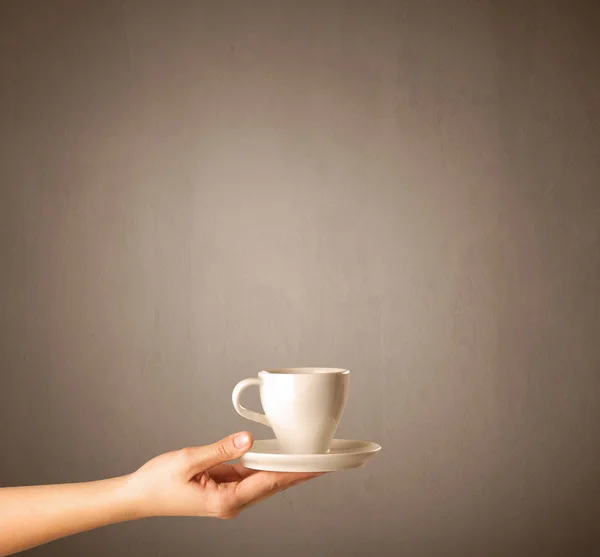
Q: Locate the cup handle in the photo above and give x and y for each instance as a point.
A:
(244, 412)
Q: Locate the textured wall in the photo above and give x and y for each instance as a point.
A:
(192, 191)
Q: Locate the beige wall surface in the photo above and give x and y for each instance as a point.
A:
(193, 191)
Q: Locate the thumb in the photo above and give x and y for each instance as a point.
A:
(230, 448)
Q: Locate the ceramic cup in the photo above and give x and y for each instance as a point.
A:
(303, 406)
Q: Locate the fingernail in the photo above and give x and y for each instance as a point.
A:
(241, 440)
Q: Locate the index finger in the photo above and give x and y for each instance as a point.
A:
(262, 484)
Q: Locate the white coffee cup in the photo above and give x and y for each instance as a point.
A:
(303, 406)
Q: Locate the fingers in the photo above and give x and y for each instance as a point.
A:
(198, 459)
(230, 472)
(270, 494)
(243, 471)
(261, 485)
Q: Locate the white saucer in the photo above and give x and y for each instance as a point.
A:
(266, 455)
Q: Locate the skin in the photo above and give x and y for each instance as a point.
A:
(195, 481)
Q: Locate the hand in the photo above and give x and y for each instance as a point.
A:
(196, 481)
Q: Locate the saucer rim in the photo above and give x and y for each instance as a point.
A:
(369, 447)
(312, 463)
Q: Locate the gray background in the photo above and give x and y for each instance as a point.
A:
(192, 191)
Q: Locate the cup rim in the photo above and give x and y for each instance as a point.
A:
(306, 371)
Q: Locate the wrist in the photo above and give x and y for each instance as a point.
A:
(129, 498)
(138, 499)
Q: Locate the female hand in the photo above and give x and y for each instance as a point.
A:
(196, 481)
